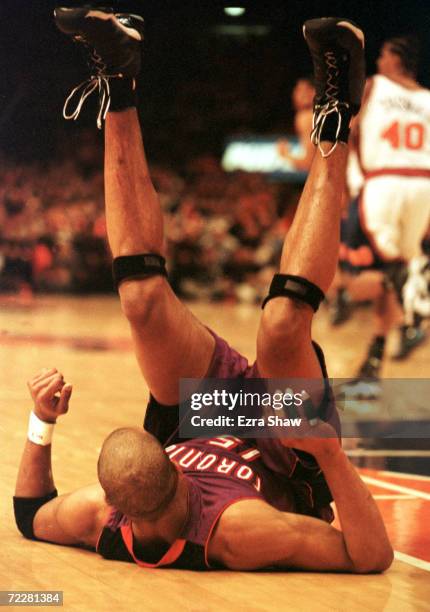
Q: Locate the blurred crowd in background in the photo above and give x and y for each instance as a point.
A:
(205, 78)
(224, 231)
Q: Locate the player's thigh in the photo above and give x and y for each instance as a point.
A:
(170, 343)
(284, 343)
(381, 205)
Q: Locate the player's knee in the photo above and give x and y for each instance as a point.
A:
(285, 322)
(140, 298)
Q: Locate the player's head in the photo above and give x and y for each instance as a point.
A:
(399, 56)
(303, 94)
(137, 476)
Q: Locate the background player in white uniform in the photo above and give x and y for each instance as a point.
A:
(393, 210)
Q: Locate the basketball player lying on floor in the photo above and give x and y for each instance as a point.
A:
(223, 502)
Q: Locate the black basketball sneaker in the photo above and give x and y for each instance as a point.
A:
(114, 45)
(337, 49)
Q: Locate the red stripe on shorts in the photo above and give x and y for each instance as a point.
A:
(414, 172)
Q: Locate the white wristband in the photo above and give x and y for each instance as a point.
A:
(39, 432)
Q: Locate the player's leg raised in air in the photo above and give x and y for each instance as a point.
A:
(170, 342)
(310, 252)
(285, 348)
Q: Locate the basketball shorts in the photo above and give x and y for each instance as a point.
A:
(386, 223)
(163, 422)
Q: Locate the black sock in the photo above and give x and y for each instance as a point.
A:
(331, 124)
(122, 94)
(376, 348)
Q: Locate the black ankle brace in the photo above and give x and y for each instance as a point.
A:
(137, 266)
(297, 288)
(334, 126)
(122, 94)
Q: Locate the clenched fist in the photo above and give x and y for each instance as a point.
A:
(50, 394)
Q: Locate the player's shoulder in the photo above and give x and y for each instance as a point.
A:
(403, 85)
(382, 82)
(376, 82)
(425, 91)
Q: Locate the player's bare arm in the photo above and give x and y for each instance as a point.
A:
(302, 98)
(252, 534)
(71, 519)
(303, 127)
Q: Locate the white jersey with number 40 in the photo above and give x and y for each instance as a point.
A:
(395, 127)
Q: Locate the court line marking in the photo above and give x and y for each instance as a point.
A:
(404, 475)
(395, 487)
(424, 565)
(399, 496)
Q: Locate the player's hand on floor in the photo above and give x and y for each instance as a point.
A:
(50, 394)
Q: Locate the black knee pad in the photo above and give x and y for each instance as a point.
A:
(297, 288)
(138, 266)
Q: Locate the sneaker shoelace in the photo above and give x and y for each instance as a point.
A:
(331, 106)
(96, 82)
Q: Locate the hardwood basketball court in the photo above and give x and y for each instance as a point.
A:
(88, 340)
